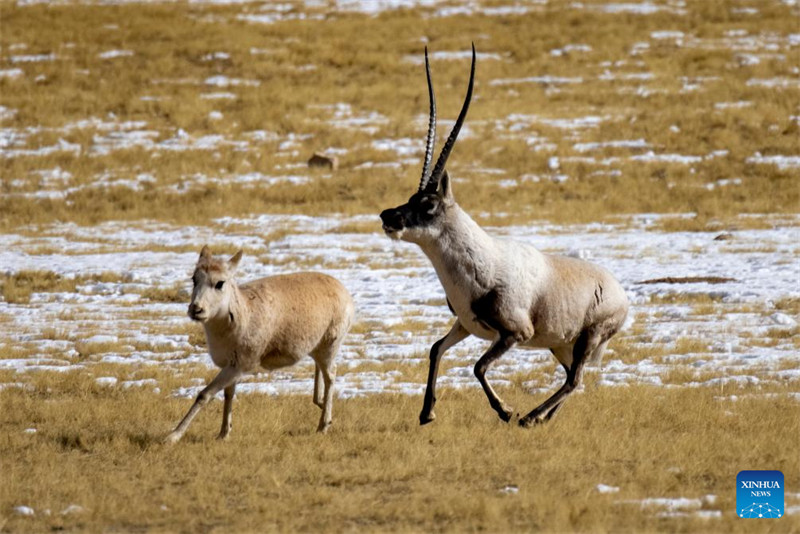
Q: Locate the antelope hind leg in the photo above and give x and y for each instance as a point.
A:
(230, 391)
(318, 386)
(582, 352)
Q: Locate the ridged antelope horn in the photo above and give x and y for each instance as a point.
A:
(429, 144)
(436, 175)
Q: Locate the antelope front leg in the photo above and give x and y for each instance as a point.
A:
(457, 334)
(227, 377)
(230, 391)
(498, 348)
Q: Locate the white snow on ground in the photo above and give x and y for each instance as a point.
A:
(218, 96)
(32, 58)
(225, 81)
(774, 82)
(632, 143)
(113, 54)
(569, 49)
(543, 80)
(107, 381)
(345, 118)
(672, 504)
(7, 113)
(270, 13)
(782, 162)
(444, 55)
(111, 135)
(439, 8)
(678, 506)
(403, 147)
(636, 8)
(11, 73)
(393, 283)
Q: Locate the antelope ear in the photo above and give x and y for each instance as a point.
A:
(234, 261)
(205, 253)
(445, 188)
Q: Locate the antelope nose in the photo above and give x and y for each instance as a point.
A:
(195, 310)
(391, 218)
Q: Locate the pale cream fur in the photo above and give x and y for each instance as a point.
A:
(513, 295)
(503, 291)
(266, 324)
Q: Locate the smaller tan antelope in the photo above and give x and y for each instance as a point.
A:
(266, 324)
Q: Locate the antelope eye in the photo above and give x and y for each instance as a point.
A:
(219, 285)
(428, 205)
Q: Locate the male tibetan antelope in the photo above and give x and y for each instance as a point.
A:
(266, 324)
(503, 291)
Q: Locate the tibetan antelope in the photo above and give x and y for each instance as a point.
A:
(266, 324)
(503, 291)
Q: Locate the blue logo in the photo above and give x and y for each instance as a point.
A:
(759, 494)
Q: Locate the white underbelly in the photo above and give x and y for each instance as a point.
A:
(476, 329)
(463, 309)
(462, 306)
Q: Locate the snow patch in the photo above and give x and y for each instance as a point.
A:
(114, 54)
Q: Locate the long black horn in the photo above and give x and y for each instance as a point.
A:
(429, 144)
(436, 175)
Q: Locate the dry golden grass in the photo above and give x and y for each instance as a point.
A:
(788, 305)
(377, 470)
(98, 447)
(694, 299)
(685, 345)
(18, 287)
(359, 61)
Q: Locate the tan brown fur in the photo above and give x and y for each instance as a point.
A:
(267, 324)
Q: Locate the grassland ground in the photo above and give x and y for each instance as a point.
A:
(582, 110)
(617, 459)
(111, 300)
(657, 138)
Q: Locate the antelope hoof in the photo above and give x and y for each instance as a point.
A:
(223, 436)
(323, 428)
(504, 413)
(528, 422)
(171, 438)
(425, 418)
